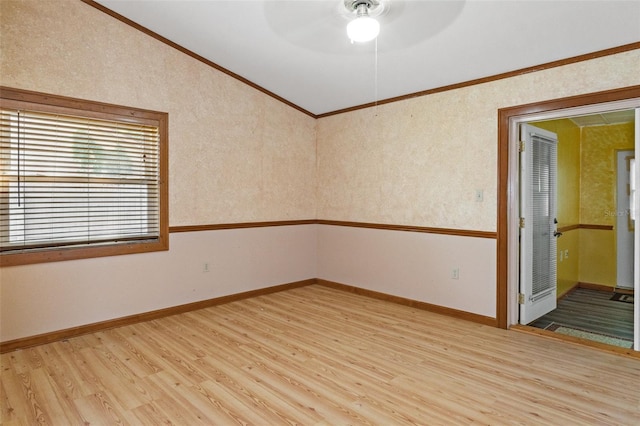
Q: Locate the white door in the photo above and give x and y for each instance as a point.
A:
(624, 223)
(538, 224)
(635, 208)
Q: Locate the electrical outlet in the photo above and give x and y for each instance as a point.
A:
(205, 267)
(479, 195)
(566, 254)
(455, 274)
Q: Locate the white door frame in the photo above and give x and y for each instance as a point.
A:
(513, 199)
(636, 243)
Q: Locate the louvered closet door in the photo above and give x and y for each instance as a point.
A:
(538, 187)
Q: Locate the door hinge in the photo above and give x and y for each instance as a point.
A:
(520, 298)
(522, 222)
(521, 146)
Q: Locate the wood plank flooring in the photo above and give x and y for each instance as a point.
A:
(592, 310)
(316, 356)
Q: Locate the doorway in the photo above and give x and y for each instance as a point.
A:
(595, 231)
(508, 211)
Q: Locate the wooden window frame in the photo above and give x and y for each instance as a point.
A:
(80, 107)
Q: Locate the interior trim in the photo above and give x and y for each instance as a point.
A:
(585, 226)
(241, 225)
(54, 336)
(20, 98)
(409, 228)
(147, 316)
(406, 228)
(588, 286)
(442, 310)
(548, 65)
(515, 73)
(598, 227)
(194, 55)
(568, 227)
(504, 190)
(68, 333)
(597, 287)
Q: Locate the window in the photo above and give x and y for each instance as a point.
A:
(79, 179)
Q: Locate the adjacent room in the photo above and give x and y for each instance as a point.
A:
(595, 230)
(223, 212)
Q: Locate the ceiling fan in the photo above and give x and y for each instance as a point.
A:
(322, 25)
(363, 27)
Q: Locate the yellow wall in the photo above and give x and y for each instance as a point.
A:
(597, 194)
(569, 267)
(568, 199)
(586, 195)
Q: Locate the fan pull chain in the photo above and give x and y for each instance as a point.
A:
(375, 82)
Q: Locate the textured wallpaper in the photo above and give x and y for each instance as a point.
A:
(568, 169)
(236, 154)
(421, 161)
(598, 199)
(586, 195)
(598, 174)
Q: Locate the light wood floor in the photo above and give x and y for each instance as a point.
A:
(317, 356)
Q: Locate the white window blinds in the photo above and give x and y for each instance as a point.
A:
(543, 211)
(70, 180)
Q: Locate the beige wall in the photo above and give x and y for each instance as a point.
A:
(412, 265)
(419, 162)
(237, 155)
(54, 296)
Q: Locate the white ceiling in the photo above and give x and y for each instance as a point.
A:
(603, 119)
(298, 49)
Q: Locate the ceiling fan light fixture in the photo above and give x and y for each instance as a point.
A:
(363, 28)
